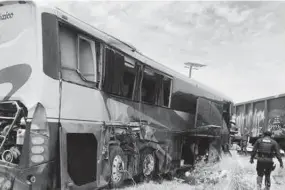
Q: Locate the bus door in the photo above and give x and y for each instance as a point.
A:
(80, 155)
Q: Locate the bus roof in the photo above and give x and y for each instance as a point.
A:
(197, 88)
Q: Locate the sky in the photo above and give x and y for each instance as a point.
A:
(242, 43)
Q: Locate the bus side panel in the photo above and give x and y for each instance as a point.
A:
(122, 110)
(82, 103)
(167, 124)
(170, 119)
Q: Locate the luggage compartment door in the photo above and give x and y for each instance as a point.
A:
(80, 155)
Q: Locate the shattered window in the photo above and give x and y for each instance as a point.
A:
(163, 87)
(166, 91)
(129, 80)
(119, 75)
(114, 69)
(156, 88)
(209, 113)
(150, 86)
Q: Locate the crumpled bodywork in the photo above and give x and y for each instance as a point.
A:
(133, 140)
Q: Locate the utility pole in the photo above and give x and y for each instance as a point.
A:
(193, 66)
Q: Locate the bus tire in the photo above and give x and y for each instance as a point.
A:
(169, 176)
(147, 164)
(213, 153)
(118, 166)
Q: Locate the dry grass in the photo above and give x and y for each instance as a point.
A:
(232, 173)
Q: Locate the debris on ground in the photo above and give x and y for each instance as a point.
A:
(234, 173)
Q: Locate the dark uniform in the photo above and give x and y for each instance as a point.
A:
(265, 148)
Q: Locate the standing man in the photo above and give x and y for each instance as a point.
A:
(244, 143)
(265, 148)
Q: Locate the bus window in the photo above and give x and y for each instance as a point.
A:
(151, 85)
(86, 59)
(129, 80)
(166, 91)
(79, 57)
(209, 113)
(119, 75)
(164, 86)
(114, 68)
(67, 50)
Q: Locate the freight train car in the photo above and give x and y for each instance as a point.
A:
(255, 116)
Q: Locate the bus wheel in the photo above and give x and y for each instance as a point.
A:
(213, 154)
(118, 164)
(148, 163)
(169, 176)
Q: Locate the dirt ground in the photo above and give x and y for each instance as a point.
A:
(232, 173)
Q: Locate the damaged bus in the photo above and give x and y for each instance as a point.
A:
(81, 109)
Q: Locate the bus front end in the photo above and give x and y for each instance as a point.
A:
(27, 139)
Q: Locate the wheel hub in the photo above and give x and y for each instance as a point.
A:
(148, 165)
(117, 168)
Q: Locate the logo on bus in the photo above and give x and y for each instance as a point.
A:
(6, 16)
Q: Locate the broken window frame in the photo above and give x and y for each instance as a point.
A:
(133, 65)
(201, 114)
(141, 85)
(138, 81)
(98, 59)
(94, 58)
(101, 68)
(127, 60)
(161, 88)
(170, 91)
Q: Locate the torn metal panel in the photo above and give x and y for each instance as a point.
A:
(74, 136)
(212, 131)
(161, 118)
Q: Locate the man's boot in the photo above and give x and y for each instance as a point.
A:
(267, 183)
(259, 182)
